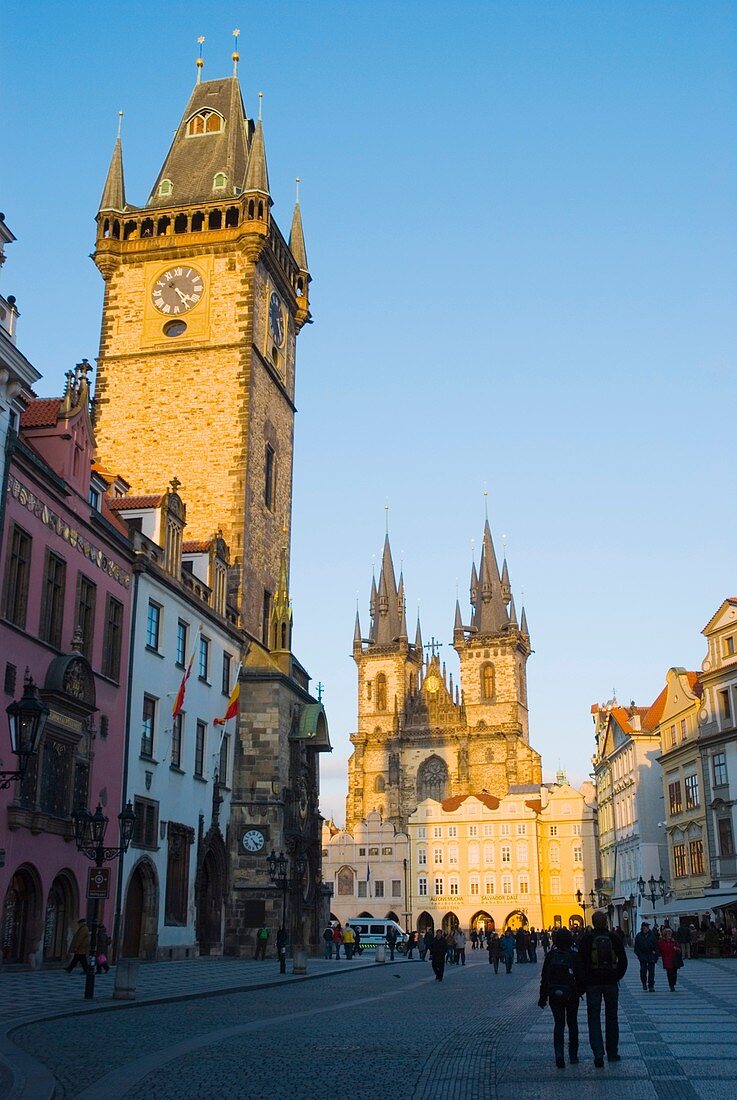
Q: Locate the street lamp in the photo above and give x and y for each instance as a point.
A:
(653, 889)
(582, 903)
(278, 867)
(26, 720)
(89, 836)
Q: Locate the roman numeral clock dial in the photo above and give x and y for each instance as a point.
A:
(177, 291)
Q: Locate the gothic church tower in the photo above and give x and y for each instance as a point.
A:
(204, 300)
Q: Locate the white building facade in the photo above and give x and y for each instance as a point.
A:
(367, 869)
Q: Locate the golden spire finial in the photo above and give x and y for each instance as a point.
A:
(200, 60)
(235, 55)
(260, 104)
(120, 123)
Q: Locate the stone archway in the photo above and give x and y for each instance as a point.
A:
(141, 914)
(516, 920)
(425, 921)
(450, 922)
(483, 921)
(21, 919)
(211, 890)
(62, 907)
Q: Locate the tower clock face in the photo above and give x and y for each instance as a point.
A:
(177, 290)
(276, 319)
(253, 840)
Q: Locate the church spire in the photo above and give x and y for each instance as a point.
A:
(418, 636)
(297, 237)
(281, 611)
(506, 586)
(523, 623)
(113, 194)
(402, 611)
(490, 614)
(257, 174)
(357, 642)
(512, 613)
(386, 625)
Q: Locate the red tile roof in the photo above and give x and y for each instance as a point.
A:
(41, 413)
(125, 504)
(197, 546)
(454, 803)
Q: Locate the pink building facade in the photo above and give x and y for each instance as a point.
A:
(65, 603)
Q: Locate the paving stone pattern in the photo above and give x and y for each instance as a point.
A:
(392, 1033)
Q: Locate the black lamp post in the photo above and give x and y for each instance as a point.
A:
(653, 889)
(279, 873)
(582, 903)
(89, 835)
(26, 720)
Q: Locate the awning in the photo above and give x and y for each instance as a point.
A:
(689, 905)
(721, 901)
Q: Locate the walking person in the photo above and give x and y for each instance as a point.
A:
(327, 938)
(262, 938)
(103, 949)
(426, 943)
(358, 946)
(474, 938)
(646, 950)
(460, 947)
(349, 942)
(494, 948)
(521, 944)
(481, 938)
(561, 985)
(604, 962)
(532, 949)
(506, 947)
(545, 941)
(438, 951)
(337, 939)
(683, 937)
(670, 953)
(79, 948)
(391, 939)
(411, 944)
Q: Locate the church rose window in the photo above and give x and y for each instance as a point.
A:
(432, 779)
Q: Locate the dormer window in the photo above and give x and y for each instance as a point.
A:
(205, 122)
(166, 187)
(219, 181)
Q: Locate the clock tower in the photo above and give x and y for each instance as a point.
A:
(204, 301)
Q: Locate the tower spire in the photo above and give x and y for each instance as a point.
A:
(281, 612)
(257, 174)
(490, 613)
(386, 625)
(200, 60)
(113, 194)
(297, 237)
(357, 642)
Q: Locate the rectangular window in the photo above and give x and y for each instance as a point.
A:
(437, 831)
(488, 830)
(56, 777)
(506, 853)
(146, 827)
(387, 851)
(577, 830)
(672, 735)
(269, 457)
(422, 857)
(725, 706)
(489, 886)
(720, 769)
(265, 617)
(578, 854)
(177, 874)
(696, 852)
(691, 784)
(675, 801)
(439, 889)
(552, 830)
(362, 851)
(683, 729)
(149, 724)
(396, 888)
(223, 767)
(488, 853)
(679, 860)
(422, 832)
(203, 665)
(52, 599)
(177, 728)
(225, 685)
(182, 634)
(473, 830)
(113, 638)
(199, 750)
(422, 886)
(437, 855)
(453, 830)
(379, 888)
(17, 575)
(524, 884)
(507, 884)
(521, 829)
(555, 885)
(474, 886)
(373, 851)
(153, 625)
(86, 595)
(362, 889)
(726, 838)
(729, 646)
(454, 886)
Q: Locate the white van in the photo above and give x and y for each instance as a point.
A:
(373, 931)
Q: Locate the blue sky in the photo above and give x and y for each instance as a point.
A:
(521, 220)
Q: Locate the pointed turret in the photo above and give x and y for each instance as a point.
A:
(357, 642)
(512, 613)
(458, 626)
(297, 240)
(113, 194)
(418, 636)
(523, 624)
(281, 611)
(257, 174)
(373, 599)
(506, 586)
(402, 611)
(490, 612)
(474, 584)
(387, 625)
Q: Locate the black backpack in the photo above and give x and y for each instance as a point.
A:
(561, 979)
(603, 958)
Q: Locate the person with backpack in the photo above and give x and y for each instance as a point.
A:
(337, 939)
(646, 950)
(561, 985)
(604, 962)
(494, 949)
(327, 938)
(262, 938)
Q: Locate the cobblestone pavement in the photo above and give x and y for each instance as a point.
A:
(392, 1033)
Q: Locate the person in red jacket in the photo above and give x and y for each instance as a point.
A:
(670, 953)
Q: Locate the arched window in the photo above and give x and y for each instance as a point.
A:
(215, 219)
(473, 855)
(166, 187)
(219, 181)
(180, 223)
(379, 784)
(381, 691)
(205, 122)
(432, 779)
(345, 882)
(487, 681)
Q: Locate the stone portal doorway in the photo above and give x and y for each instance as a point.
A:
(21, 916)
(516, 920)
(62, 907)
(141, 913)
(210, 896)
(482, 922)
(425, 921)
(450, 923)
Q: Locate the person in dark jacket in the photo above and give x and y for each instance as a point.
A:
(603, 967)
(438, 951)
(561, 986)
(646, 950)
(522, 940)
(425, 943)
(506, 948)
(493, 946)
